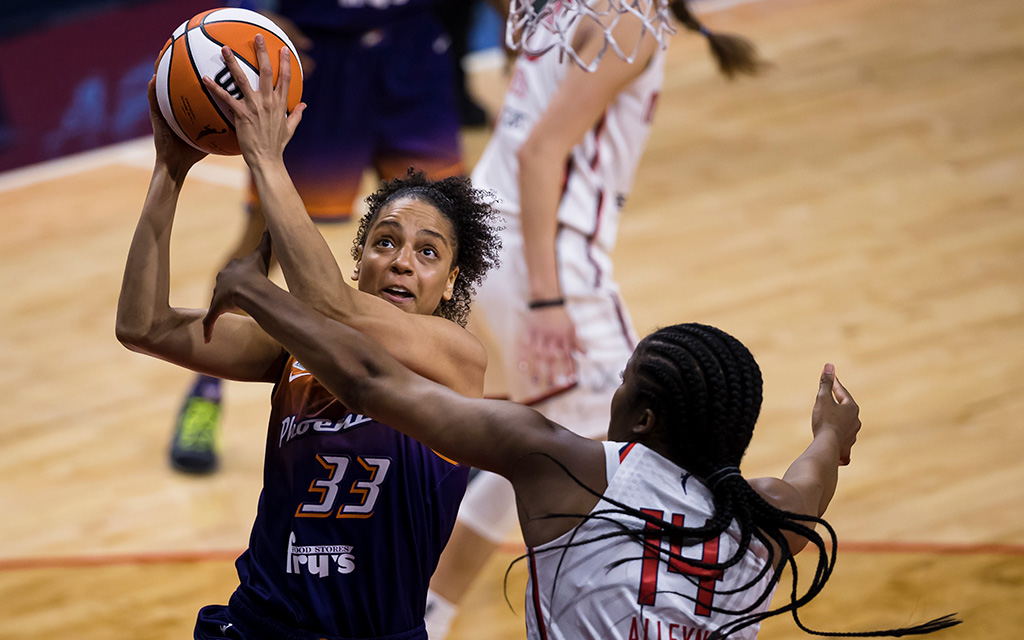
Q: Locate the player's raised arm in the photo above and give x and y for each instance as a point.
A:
(264, 126)
(429, 345)
(810, 481)
(145, 320)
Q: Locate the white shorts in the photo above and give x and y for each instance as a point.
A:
(600, 318)
(604, 328)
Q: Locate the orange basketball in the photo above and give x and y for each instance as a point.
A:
(194, 51)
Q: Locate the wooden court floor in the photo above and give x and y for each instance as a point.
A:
(862, 203)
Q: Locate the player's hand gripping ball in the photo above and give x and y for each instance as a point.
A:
(194, 51)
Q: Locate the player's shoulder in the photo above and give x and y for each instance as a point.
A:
(463, 352)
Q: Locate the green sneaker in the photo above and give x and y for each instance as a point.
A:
(196, 434)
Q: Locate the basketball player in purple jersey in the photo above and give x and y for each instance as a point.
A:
(353, 515)
(381, 96)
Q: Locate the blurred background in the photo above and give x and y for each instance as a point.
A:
(862, 203)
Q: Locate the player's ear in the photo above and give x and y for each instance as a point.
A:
(449, 287)
(644, 423)
(359, 263)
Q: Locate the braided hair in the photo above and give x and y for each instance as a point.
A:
(474, 226)
(705, 387)
(734, 54)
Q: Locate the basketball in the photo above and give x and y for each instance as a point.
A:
(194, 51)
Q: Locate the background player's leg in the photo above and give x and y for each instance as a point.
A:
(417, 121)
(456, 16)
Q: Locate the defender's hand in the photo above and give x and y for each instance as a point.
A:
(835, 409)
(237, 274)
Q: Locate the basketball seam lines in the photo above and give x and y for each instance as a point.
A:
(195, 69)
(170, 65)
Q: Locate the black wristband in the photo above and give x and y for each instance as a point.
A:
(540, 304)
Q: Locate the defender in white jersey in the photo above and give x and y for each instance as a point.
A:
(562, 162)
(646, 598)
(676, 507)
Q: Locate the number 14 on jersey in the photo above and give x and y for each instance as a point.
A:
(654, 559)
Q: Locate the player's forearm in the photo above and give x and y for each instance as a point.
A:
(816, 472)
(306, 260)
(352, 366)
(362, 374)
(541, 171)
(144, 294)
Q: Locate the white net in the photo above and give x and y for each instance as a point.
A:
(535, 27)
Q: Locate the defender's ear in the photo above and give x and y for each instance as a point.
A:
(645, 423)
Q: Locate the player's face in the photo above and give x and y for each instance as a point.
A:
(407, 257)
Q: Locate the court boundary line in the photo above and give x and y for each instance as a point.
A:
(136, 153)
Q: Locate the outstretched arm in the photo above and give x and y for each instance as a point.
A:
(145, 320)
(368, 380)
(264, 127)
(504, 437)
(431, 346)
(810, 481)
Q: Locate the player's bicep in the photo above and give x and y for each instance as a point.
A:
(432, 347)
(450, 356)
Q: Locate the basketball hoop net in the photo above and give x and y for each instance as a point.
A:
(535, 27)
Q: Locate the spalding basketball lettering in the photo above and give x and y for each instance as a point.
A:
(227, 82)
(207, 131)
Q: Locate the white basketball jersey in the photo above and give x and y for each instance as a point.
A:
(600, 171)
(581, 593)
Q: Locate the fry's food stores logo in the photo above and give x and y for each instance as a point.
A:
(318, 559)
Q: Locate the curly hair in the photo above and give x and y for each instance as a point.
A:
(475, 244)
